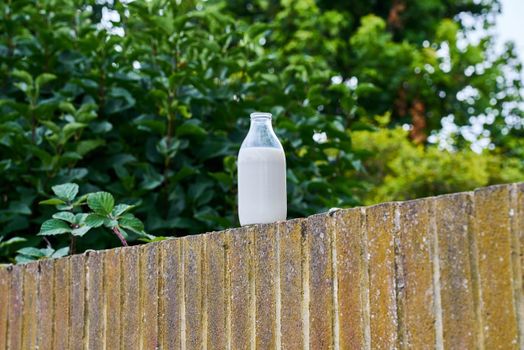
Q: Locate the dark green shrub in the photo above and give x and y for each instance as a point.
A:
(155, 116)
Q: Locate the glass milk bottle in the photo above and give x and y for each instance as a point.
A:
(261, 174)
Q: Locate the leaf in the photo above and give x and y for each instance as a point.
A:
(31, 251)
(129, 221)
(60, 252)
(66, 216)
(87, 146)
(53, 227)
(24, 259)
(44, 78)
(80, 231)
(101, 203)
(120, 209)
(80, 218)
(19, 208)
(71, 128)
(191, 128)
(67, 192)
(110, 223)
(94, 220)
(24, 76)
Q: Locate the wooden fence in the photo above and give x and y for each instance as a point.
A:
(442, 272)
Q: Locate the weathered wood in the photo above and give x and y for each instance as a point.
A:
(113, 299)
(16, 290)
(381, 231)
(170, 294)
(95, 294)
(439, 273)
(77, 333)
(417, 300)
(493, 237)
(149, 271)
(350, 265)
(266, 274)
(61, 305)
(242, 289)
(4, 305)
(131, 322)
(291, 289)
(217, 291)
(193, 250)
(451, 216)
(320, 283)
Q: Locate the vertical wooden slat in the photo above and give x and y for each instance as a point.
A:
(415, 255)
(193, 293)
(4, 304)
(320, 283)
(216, 291)
(112, 298)
(16, 290)
(265, 282)
(61, 304)
(149, 267)
(350, 267)
(171, 294)
(519, 213)
(456, 287)
(29, 313)
(291, 284)
(95, 295)
(492, 234)
(130, 321)
(517, 231)
(77, 305)
(45, 304)
(382, 285)
(242, 310)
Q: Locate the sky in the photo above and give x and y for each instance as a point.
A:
(510, 24)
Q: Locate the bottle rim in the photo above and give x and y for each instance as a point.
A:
(260, 115)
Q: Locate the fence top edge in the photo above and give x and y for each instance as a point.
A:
(264, 227)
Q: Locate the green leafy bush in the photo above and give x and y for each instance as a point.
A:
(75, 222)
(153, 110)
(408, 171)
(148, 100)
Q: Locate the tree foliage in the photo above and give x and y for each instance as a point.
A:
(149, 101)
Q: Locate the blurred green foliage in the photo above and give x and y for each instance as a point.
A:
(149, 100)
(408, 171)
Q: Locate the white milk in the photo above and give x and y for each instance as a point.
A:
(261, 185)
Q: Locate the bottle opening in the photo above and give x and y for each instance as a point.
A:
(260, 116)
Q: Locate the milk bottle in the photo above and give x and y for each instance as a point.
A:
(261, 174)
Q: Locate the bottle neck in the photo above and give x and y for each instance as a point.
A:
(261, 123)
(261, 132)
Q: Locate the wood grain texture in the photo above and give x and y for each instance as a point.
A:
(149, 272)
(442, 272)
(381, 231)
(291, 289)
(242, 296)
(113, 298)
(130, 321)
(194, 291)
(350, 270)
(417, 300)
(77, 314)
(320, 283)
(61, 305)
(492, 234)
(170, 294)
(456, 286)
(217, 291)
(16, 290)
